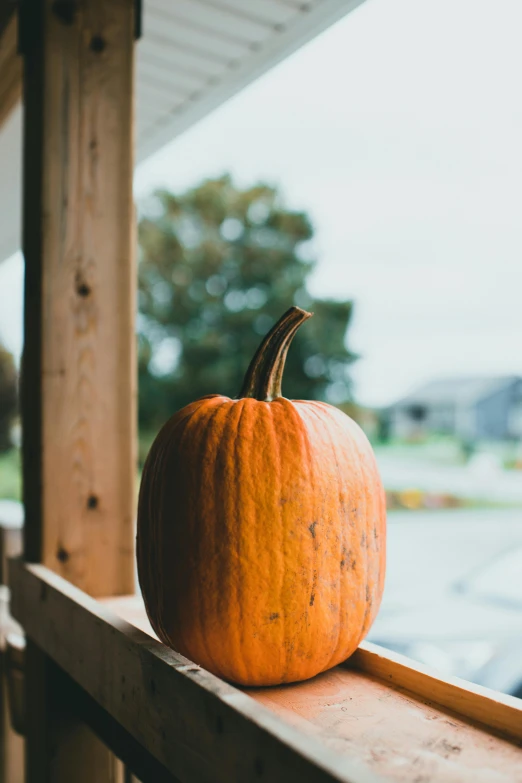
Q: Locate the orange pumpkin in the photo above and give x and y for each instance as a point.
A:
(261, 529)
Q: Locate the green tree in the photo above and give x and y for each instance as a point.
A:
(218, 266)
(8, 397)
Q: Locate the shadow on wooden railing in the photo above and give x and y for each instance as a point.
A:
(378, 717)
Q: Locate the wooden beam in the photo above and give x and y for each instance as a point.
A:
(7, 9)
(78, 373)
(124, 746)
(79, 384)
(76, 703)
(383, 712)
(11, 744)
(495, 710)
(10, 68)
(71, 751)
(199, 728)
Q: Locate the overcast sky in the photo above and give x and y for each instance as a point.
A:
(400, 131)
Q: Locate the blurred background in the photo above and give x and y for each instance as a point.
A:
(375, 178)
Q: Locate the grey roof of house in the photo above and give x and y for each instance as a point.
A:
(461, 390)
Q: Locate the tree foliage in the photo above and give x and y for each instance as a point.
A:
(218, 266)
(8, 397)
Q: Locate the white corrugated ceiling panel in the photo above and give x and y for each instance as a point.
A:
(193, 55)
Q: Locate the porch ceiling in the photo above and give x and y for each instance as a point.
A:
(193, 56)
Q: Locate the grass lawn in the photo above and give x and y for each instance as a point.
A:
(436, 449)
(10, 469)
(10, 475)
(448, 450)
(439, 450)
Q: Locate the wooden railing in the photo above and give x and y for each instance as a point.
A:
(378, 717)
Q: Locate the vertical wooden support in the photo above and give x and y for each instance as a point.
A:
(60, 748)
(11, 744)
(78, 372)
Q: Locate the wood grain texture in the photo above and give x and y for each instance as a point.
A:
(11, 744)
(10, 69)
(499, 711)
(399, 735)
(62, 748)
(78, 375)
(11, 545)
(135, 764)
(15, 673)
(197, 726)
(81, 707)
(85, 258)
(381, 708)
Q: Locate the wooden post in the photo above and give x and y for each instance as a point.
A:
(78, 372)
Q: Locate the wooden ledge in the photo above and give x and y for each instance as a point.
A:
(10, 68)
(379, 717)
(200, 728)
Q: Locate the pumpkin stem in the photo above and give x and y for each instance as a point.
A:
(265, 372)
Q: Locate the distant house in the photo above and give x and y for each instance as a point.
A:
(468, 407)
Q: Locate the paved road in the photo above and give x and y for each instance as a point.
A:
(453, 594)
(431, 551)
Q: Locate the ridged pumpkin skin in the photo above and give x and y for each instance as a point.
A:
(261, 537)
